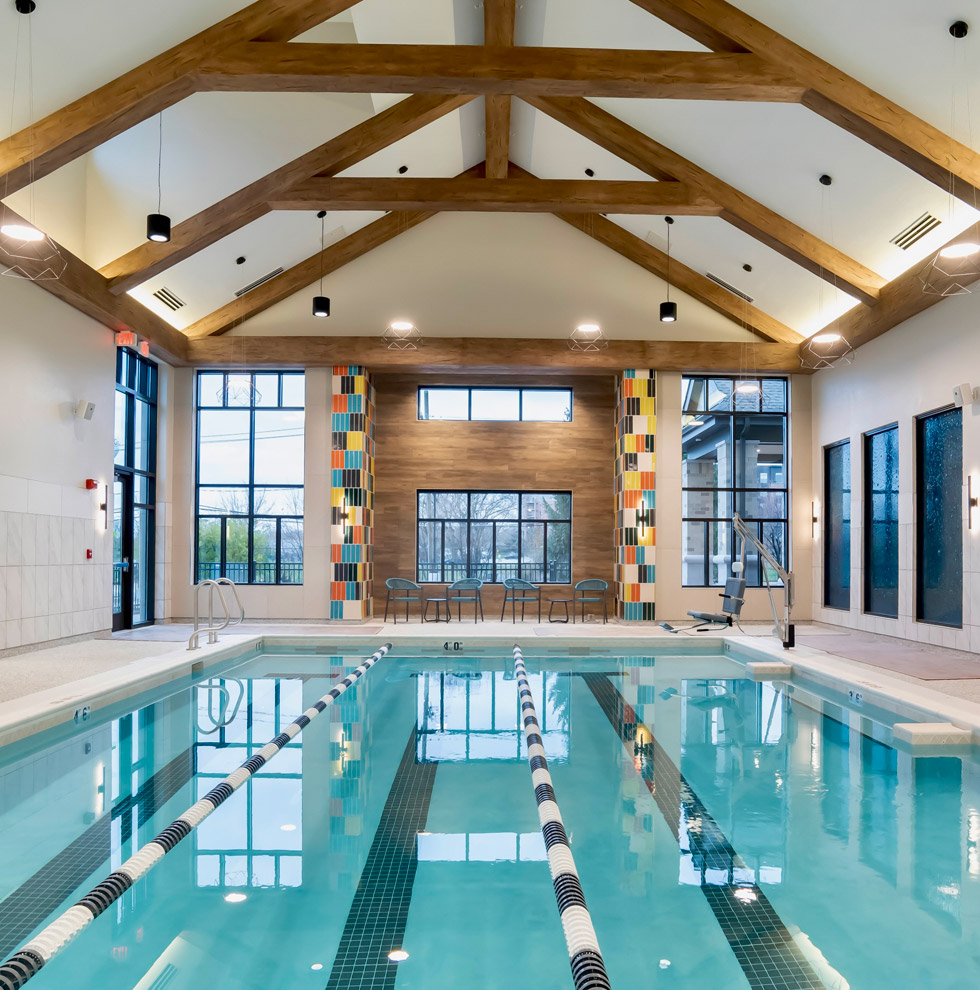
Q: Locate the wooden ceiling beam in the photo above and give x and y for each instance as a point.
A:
(485, 70)
(681, 277)
(251, 202)
(305, 273)
(84, 124)
(475, 355)
(83, 288)
(831, 93)
(499, 18)
(750, 216)
(513, 195)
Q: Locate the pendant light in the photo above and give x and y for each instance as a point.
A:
(954, 267)
(321, 304)
(587, 337)
(668, 309)
(402, 335)
(158, 224)
(827, 348)
(25, 251)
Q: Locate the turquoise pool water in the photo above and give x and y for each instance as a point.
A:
(727, 833)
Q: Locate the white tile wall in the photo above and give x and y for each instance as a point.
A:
(48, 588)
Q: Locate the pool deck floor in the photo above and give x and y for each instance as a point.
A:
(27, 672)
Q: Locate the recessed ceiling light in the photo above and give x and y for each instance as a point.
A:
(317, 966)
(21, 232)
(287, 828)
(962, 250)
(398, 955)
(235, 898)
(826, 338)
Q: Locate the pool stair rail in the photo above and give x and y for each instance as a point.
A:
(43, 947)
(584, 955)
(194, 640)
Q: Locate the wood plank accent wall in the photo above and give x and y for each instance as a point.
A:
(576, 457)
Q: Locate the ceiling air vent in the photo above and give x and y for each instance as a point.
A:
(915, 231)
(259, 281)
(731, 288)
(169, 299)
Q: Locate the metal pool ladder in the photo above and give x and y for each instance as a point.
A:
(193, 642)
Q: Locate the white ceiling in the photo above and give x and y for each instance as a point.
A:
(450, 277)
(214, 143)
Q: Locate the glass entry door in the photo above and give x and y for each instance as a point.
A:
(134, 497)
(122, 553)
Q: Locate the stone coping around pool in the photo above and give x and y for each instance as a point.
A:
(911, 701)
(27, 715)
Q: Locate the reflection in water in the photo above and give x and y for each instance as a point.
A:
(257, 839)
(463, 718)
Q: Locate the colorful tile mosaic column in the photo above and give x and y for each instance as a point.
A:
(636, 532)
(352, 494)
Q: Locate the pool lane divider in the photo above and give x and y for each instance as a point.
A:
(28, 962)
(584, 955)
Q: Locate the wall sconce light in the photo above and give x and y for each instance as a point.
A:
(644, 519)
(971, 501)
(104, 507)
(814, 520)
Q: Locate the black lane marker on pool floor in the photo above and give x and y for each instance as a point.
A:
(23, 910)
(378, 915)
(760, 941)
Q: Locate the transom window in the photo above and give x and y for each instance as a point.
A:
(250, 447)
(538, 405)
(734, 437)
(494, 536)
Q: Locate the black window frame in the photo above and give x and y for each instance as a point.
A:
(733, 491)
(470, 389)
(921, 529)
(132, 366)
(847, 499)
(869, 521)
(251, 516)
(519, 521)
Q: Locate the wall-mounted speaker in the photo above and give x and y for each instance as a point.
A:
(84, 409)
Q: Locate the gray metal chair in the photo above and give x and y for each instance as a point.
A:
(456, 593)
(581, 596)
(402, 584)
(528, 593)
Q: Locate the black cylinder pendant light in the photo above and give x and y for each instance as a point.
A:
(668, 309)
(158, 224)
(321, 304)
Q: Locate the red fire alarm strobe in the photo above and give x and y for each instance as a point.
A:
(91, 484)
(88, 554)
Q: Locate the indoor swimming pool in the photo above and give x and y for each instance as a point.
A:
(727, 833)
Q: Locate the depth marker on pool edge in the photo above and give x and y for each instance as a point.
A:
(584, 955)
(21, 966)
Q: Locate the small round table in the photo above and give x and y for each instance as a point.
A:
(551, 608)
(438, 602)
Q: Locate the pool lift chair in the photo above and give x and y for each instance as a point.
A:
(734, 593)
(733, 599)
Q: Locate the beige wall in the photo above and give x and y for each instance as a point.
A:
(51, 356)
(673, 600)
(311, 600)
(909, 371)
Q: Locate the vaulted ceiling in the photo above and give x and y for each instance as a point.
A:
(724, 117)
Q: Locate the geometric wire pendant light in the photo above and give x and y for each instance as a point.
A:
(402, 335)
(588, 337)
(25, 251)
